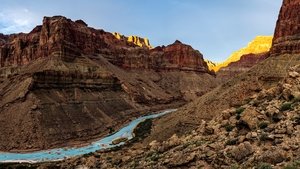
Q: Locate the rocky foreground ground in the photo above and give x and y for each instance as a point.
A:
(264, 133)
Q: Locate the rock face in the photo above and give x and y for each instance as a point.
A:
(180, 56)
(211, 65)
(59, 36)
(243, 65)
(286, 38)
(66, 83)
(260, 44)
(141, 42)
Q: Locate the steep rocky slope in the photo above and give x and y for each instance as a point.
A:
(263, 133)
(243, 65)
(66, 83)
(235, 91)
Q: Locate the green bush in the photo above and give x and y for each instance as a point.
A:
(239, 110)
(231, 142)
(294, 165)
(228, 127)
(297, 120)
(263, 125)
(296, 99)
(286, 106)
(263, 137)
(234, 166)
(264, 166)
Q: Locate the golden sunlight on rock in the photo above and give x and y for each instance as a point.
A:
(260, 44)
(141, 42)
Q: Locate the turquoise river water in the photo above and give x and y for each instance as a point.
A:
(62, 153)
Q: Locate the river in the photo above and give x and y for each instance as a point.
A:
(62, 153)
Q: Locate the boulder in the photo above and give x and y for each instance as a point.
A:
(241, 151)
(249, 117)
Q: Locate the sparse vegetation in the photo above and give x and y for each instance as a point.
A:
(297, 120)
(231, 142)
(264, 166)
(296, 99)
(238, 112)
(263, 137)
(293, 165)
(228, 127)
(234, 166)
(286, 106)
(18, 166)
(153, 156)
(142, 130)
(263, 125)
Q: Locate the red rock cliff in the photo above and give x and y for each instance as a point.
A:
(59, 36)
(181, 56)
(287, 33)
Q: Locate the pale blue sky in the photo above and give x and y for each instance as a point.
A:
(215, 27)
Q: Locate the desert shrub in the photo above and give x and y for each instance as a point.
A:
(296, 99)
(263, 137)
(294, 165)
(238, 112)
(234, 166)
(297, 120)
(88, 154)
(264, 166)
(286, 106)
(228, 127)
(142, 130)
(153, 156)
(231, 142)
(263, 125)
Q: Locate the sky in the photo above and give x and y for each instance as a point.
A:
(214, 27)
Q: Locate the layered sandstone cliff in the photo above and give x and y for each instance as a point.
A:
(59, 36)
(287, 32)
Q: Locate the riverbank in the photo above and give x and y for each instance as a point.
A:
(84, 141)
(63, 153)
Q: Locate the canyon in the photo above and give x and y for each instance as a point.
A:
(65, 83)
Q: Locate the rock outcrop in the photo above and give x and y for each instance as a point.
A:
(141, 42)
(211, 65)
(180, 56)
(287, 32)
